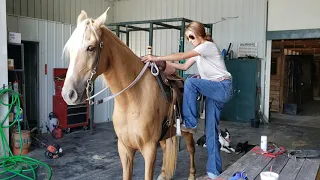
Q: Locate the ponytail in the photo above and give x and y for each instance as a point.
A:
(208, 37)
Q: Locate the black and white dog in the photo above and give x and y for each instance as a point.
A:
(224, 140)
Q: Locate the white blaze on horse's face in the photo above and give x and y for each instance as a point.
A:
(82, 51)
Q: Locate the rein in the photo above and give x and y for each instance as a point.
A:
(89, 87)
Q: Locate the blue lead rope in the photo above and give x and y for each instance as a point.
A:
(239, 176)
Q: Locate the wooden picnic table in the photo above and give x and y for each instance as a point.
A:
(287, 168)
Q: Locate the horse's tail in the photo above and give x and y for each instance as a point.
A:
(171, 150)
(170, 159)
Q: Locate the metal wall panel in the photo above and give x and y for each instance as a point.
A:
(65, 11)
(283, 15)
(250, 26)
(51, 37)
(46, 55)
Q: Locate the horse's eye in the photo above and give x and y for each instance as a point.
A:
(90, 48)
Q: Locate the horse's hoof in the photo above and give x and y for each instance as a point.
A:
(160, 177)
(191, 177)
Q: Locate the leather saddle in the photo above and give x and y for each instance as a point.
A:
(169, 80)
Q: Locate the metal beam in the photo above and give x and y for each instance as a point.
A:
(127, 38)
(148, 21)
(211, 30)
(135, 28)
(167, 26)
(181, 48)
(293, 34)
(159, 22)
(156, 28)
(145, 29)
(118, 31)
(151, 34)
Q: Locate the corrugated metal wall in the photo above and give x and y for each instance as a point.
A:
(51, 36)
(65, 11)
(51, 33)
(248, 27)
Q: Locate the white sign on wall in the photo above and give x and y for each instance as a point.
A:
(248, 49)
(14, 37)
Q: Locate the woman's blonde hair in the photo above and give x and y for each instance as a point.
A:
(198, 28)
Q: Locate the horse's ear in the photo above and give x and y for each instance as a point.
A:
(82, 16)
(102, 19)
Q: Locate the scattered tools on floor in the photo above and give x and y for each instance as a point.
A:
(53, 151)
(53, 126)
(272, 151)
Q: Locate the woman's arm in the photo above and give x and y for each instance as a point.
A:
(184, 66)
(172, 57)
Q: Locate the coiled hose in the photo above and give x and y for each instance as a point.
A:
(12, 166)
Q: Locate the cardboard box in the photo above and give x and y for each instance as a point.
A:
(11, 64)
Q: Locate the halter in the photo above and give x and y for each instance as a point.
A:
(89, 87)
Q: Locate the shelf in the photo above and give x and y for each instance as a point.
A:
(16, 51)
(75, 114)
(16, 70)
(14, 44)
(77, 106)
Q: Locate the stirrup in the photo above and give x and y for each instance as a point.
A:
(178, 127)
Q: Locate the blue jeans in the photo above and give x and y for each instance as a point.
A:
(217, 94)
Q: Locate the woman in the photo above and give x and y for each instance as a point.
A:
(214, 83)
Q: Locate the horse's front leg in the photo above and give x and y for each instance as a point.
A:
(126, 156)
(162, 176)
(149, 155)
(191, 148)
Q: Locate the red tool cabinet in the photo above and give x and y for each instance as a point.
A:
(68, 116)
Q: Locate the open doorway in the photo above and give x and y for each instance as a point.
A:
(295, 81)
(31, 61)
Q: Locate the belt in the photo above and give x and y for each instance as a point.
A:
(224, 78)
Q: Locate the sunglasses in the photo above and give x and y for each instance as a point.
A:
(190, 37)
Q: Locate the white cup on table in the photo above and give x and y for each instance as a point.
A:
(267, 175)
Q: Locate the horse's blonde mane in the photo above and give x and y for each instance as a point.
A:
(76, 42)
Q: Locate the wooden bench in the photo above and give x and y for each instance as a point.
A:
(287, 168)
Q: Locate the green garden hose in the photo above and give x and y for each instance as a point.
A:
(12, 166)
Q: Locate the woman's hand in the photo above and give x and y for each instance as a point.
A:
(149, 58)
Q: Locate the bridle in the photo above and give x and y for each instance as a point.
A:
(89, 85)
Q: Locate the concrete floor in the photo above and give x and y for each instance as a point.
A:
(80, 147)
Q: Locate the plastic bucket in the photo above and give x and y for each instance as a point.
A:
(267, 175)
(15, 142)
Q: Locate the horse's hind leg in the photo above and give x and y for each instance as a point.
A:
(191, 148)
(126, 156)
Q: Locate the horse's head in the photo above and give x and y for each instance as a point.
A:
(84, 51)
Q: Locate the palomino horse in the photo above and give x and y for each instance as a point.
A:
(139, 112)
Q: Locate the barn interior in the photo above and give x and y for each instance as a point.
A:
(294, 82)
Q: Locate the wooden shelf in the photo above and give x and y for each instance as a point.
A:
(16, 70)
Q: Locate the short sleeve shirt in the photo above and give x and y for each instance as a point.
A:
(210, 63)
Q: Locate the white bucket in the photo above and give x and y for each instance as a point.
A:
(267, 175)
